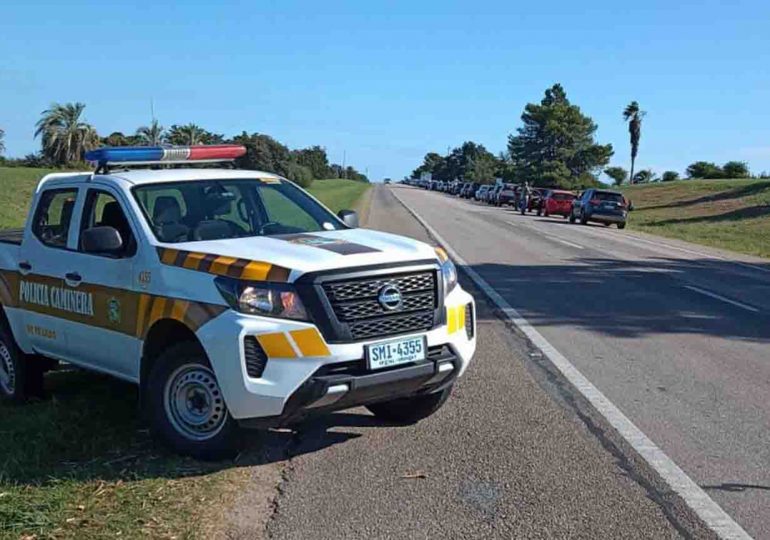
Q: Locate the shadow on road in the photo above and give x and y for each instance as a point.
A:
(628, 299)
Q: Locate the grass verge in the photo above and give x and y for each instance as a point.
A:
(81, 465)
(726, 214)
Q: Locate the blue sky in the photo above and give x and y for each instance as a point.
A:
(386, 82)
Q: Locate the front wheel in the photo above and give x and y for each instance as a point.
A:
(583, 219)
(572, 217)
(410, 410)
(187, 411)
(622, 225)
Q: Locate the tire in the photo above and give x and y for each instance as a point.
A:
(572, 217)
(622, 225)
(21, 378)
(583, 220)
(203, 429)
(539, 212)
(546, 214)
(410, 410)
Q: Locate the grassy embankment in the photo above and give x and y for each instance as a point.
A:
(81, 465)
(727, 214)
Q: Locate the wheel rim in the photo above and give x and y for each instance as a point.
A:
(194, 403)
(7, 370)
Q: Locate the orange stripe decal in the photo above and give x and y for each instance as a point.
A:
(193, 260)
(256, 271)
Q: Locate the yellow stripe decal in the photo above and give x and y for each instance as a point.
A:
(460, 318)
(179, 309)
(310, 342)
(169, 256)
(221, 265)
(451, 316)
(193, 260)
(276, 345)
(256, 271)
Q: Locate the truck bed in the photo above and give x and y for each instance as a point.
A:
(11, 236)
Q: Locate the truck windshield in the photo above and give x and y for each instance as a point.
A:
(221, 209)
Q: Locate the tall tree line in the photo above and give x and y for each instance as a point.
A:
(65, 136)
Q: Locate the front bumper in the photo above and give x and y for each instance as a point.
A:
(349, 386)
(294, 380)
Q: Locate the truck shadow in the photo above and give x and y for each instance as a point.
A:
(88, 428)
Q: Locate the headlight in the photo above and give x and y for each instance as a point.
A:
(448, 270)
(277, 300)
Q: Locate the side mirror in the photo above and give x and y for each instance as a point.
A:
(349, 217)
(101, 240)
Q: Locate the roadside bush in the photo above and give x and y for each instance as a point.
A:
(670, 176)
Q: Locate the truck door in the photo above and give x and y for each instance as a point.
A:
(42, 270)
(107, 341)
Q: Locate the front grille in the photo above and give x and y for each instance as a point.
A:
(356, 306)
(363, 288)
(469, 320)
(387, 326)
(256, 359)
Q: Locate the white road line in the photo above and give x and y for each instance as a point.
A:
(722, 298)
(565, 242)
(697, 499)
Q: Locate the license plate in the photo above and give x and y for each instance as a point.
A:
(395, 352)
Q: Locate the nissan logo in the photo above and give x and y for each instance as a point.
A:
(390, 297)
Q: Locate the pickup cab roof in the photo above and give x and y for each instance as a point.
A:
(152, 176)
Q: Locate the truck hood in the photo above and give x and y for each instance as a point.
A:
(311, 252)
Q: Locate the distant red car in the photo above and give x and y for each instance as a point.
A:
(557, 202)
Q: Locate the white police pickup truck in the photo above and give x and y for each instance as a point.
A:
(232, 297)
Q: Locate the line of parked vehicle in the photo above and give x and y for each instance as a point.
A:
(592, 205)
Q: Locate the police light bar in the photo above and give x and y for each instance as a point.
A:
(149, 155)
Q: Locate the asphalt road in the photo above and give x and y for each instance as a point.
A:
(513, 454)
(674, 334)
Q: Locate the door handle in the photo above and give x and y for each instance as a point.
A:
(24, 266)
(74, 277)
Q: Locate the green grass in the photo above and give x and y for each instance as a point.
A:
(339, 194)
(81, 465)
(727, 214)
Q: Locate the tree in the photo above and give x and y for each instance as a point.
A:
(431, 163)
(704, 169)
(64, 136)
(154, 134)
(735, 169)
(192, 134)
(633, 115)
(618, 174)
(556, 146)
(644, 176)
(2, 141)
(670, 176)
(315, 159)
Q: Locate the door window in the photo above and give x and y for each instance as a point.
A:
(53, 216)
(102, 209)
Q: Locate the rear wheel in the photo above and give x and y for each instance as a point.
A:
(187, 411)
(539, 212)
(572, 217)
(583, 220)
(412, 409)
(20, 376)
(622, 225)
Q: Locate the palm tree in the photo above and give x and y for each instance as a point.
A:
(186, 135)
(633, 115)
(65, 138)
(152, 135)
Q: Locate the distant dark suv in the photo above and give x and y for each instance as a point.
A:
(601, 206)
